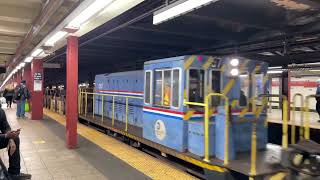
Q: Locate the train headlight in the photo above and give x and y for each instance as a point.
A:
(234, 72)
(234, 62)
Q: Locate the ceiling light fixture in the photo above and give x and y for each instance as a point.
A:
(178, 8)
(274, 72)
(86, 14)
(55, 38)
(275, 67)
(36, 52)
(28, 59)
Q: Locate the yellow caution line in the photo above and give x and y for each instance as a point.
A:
(228, 86)
(234, 103)
(188, 115)
(208, 63)
(278, 176)
(243, 112)
(150, 166)
(189, 62)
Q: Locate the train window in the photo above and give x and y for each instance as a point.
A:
(215, 86)
(147, 87)
(258, 88)
(163, 88)
(244, 89)
(166, 88)
(158, 88)
(175, 87)
(196, 85)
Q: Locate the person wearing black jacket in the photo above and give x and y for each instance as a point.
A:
(8, 94)
(21, 95)
(10, 138)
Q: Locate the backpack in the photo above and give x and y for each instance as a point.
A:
(20, 92)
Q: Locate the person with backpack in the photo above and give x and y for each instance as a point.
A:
(21, 95)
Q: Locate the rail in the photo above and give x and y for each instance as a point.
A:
(306, 124)
(257, 111)
(206, 125)
(84, 96)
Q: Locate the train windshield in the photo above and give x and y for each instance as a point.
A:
(196, 85)
(244, 89)
(215, 86)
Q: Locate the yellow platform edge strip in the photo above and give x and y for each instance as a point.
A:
(148, 165)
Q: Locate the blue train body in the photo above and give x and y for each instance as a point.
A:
(167, 83)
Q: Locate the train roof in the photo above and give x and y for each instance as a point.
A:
(178, 58)
(127, 73)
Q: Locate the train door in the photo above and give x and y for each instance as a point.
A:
(196, 86)
(215, 84)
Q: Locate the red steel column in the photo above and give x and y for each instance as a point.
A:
(27, 75)
(37, 89)
(72, 92)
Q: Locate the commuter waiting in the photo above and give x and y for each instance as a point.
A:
(8, 94)
(20, 96)
(10, 138)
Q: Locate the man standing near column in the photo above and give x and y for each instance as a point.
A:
(21, 95)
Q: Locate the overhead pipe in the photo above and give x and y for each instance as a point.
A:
(50, 7)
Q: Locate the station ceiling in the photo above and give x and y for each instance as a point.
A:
(280, 32)
(24, 23)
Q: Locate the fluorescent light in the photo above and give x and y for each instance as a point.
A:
(243, 75)
(275, 67)
(178, 8)
(36, 52)
(94, 8)
(315, 70)
(274, 72)
(22, 64)
(266, 53)
(234, 62)
(56, 37)
(316, 63)
(28, 59)
(234, 72)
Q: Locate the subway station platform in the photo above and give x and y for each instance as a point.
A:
(274, 116)
(44, 155)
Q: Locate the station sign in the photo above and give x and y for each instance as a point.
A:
(37, 83)
(37, 76)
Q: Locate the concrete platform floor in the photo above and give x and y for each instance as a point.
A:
(44, 155)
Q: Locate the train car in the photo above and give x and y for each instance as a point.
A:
(160, 114)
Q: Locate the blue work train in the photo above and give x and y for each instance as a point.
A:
(164, 86)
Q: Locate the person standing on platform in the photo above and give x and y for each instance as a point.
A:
(8, 94)
(20, 96)
(318, 98)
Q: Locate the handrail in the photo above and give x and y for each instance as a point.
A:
(285, 113)
(206, 125)
(293, 123)
(307, 118)
(97, 95)
(257, 111)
